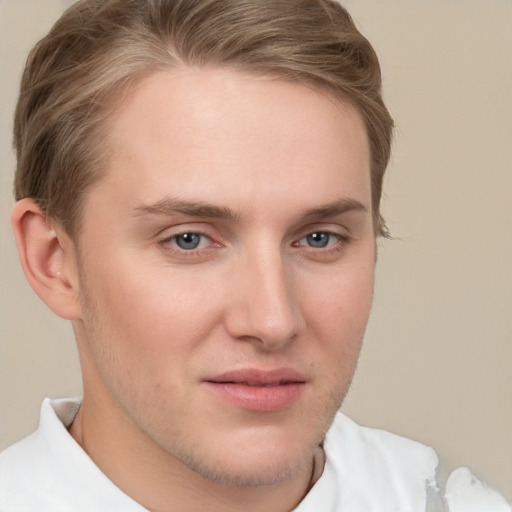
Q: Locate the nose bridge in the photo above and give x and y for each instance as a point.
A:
(265, 307)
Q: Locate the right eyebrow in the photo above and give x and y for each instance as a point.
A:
(335, 208)
(172, 206)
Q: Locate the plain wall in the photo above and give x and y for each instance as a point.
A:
(437, 360)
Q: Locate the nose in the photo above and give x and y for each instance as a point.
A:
(263, 303)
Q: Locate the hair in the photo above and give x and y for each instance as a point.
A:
(75, 77)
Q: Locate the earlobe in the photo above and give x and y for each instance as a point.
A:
(48, 259)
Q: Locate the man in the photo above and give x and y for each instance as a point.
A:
(198, 191)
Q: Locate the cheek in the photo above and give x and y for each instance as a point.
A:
(151, 318)
(338, 315)
(343, 298)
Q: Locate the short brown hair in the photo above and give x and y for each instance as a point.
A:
(99, 47)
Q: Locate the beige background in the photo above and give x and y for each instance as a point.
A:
(438, 355)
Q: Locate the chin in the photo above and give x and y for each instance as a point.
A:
(267, 470)
(249, 457)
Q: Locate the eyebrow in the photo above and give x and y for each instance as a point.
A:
(335, 208)
(173, 206)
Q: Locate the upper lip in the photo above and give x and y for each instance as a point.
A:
(258, 377)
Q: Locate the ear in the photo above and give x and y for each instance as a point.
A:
(48, 259)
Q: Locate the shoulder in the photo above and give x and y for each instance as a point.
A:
(378, 469)
(379, 446)
(465, 492)
(371, 469)
(29, 469)
(23, 475)
(49, 472)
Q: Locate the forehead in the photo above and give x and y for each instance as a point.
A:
(240, 134)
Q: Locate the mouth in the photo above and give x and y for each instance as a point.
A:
(258, 384)
(259, 390)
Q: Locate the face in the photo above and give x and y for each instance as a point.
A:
(226, 270)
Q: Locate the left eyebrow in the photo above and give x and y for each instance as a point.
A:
(335, 208)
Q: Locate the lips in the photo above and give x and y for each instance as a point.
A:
(259, 390)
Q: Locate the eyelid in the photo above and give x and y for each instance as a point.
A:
(169, 236)
(337, 230)
(168, 231)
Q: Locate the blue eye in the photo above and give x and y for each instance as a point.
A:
(188, 241)
(320, 239)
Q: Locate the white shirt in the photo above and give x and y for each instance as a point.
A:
(366, 470)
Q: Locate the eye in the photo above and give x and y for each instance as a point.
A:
(323, 245)
(189, 246)
(320, 239)
(189, 241)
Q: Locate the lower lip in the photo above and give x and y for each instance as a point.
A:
(258, 398)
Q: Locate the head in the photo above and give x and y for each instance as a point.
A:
(203, 181)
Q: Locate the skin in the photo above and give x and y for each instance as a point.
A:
(254, 166)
